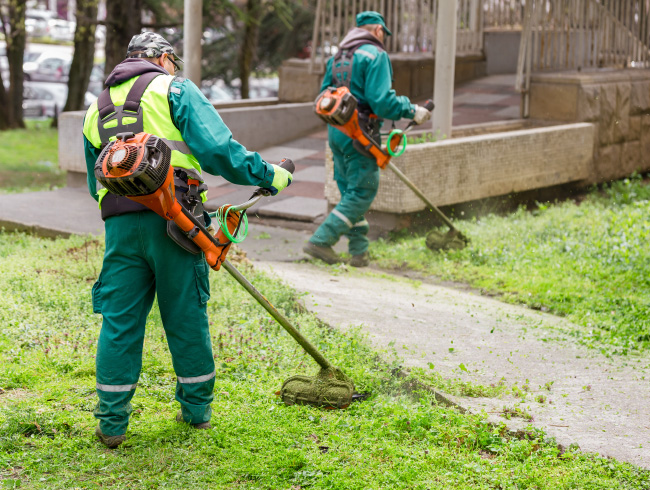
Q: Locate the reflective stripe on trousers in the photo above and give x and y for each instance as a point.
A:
(197, 379)
(116, 388)
(342, 217)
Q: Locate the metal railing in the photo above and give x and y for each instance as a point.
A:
(563, 35)
(412, 23)
(503, 14)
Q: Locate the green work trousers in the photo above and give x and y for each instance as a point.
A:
(357, 177)
(140, 263)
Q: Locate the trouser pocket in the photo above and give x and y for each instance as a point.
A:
(202, 273)
(97, 295)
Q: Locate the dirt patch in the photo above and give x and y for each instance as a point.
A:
(12, 473)
(82, 252)
(14, 395)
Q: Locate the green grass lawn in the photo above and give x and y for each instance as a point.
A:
(589, 262)
(394, 440)
(29, 158)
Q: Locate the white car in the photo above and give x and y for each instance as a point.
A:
(42, 99)
(61, 30)
(47, 67)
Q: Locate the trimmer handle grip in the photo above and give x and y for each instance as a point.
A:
(288, 164)
(429, 105)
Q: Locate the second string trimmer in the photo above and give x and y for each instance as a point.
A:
(138, 167)
(338, 107)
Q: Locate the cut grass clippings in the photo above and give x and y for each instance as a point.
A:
(29, 158)
(589, 262)
(395, 439)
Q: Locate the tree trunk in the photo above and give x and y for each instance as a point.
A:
(13, 12)
(123, 21)
(4, 102)
(249, 44)
(84, 54)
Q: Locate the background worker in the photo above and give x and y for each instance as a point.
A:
(141, 261)
(362, 65)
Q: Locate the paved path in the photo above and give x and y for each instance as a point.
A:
(577, 395)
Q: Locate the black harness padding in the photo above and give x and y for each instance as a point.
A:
(131, 108)
(342, 67)
(113, 205)
(342, 76)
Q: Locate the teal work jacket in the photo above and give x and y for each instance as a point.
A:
(371, 82)
(208, 138)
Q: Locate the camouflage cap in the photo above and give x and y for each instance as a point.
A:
(151, 45)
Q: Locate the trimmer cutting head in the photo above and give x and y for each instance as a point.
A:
(330, 388)
(452, 240)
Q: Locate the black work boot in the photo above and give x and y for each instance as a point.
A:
(200, 425)
(326, 254)
(361, 260)
(110, 442)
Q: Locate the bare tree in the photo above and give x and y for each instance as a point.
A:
(13, 28)
(84, 54)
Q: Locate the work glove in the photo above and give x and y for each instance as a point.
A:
(421, 115)
(281, 179)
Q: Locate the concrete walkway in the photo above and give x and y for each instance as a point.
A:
(575, 394)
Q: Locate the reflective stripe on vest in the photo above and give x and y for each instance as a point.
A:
(156, 120)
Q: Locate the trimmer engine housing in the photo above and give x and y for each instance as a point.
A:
(133, 165)
(335, 106)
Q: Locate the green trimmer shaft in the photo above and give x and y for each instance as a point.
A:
(329, 388)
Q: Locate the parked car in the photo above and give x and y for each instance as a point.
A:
(45, 99)
(4, 63)
(47, 67)
(258, 88)
(4, 67)
(38, 103)
(36, 22)
(216, 93)
(61, 30)
(96, 83)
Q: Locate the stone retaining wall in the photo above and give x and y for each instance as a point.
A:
(413, 76)
(477, 167)
(617, 102)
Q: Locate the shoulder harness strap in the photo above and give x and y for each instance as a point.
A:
(109, 112)
(342, 68)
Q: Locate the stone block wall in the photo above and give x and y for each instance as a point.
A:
(617, 102)
(468, 168)
(413, 76)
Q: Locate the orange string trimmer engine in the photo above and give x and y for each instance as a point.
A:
(338, 108)
(139, 167)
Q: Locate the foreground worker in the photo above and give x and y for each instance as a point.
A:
(362, 65)
(141, 261)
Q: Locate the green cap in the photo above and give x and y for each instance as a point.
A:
(372, 17)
